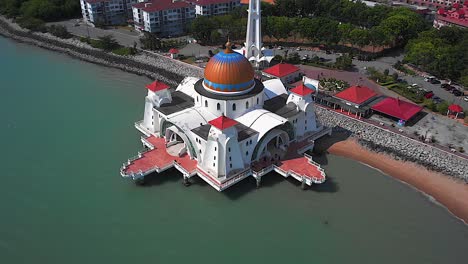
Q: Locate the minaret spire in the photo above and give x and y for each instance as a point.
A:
(253, 40)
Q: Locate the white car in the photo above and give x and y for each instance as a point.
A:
(465, 98)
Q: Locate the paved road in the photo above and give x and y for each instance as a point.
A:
(123, 36)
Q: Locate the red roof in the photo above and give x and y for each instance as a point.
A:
(159, 5)
(356, 94)
(455, 108)
(222, 122)
(157, 86)
(441, 11)
(281, 69)
(397, 108)
(302, 90)
(173, 51)
(210, 2)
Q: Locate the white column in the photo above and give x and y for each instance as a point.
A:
(253, 39)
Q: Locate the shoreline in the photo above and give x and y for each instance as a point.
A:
(450, 193)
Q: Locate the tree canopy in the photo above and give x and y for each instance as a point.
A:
(443, 53)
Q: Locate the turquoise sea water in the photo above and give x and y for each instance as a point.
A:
(66, 127)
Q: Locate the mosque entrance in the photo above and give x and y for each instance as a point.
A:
(273, 146)
(175, 145)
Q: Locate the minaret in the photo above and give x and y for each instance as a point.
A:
(253, 40)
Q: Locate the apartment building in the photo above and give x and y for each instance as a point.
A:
(106, 12)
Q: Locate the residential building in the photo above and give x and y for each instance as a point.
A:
(214, 7)
(106, 12)
(430, 3)
(456, 16)
(164, 17)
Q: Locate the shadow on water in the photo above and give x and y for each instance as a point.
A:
(324, 143)
(169, 176)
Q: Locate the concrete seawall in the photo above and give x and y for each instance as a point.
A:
(398, 146)
(153, 66)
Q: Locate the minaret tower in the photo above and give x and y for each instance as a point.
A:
(253, 40)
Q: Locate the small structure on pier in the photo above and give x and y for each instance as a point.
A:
(228, 126)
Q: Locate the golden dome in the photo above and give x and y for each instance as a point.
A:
(228, 72)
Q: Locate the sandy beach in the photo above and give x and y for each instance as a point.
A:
(447, 191)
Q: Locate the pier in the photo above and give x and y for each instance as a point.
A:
(155, 158)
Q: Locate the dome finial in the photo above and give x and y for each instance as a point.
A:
(228, 47)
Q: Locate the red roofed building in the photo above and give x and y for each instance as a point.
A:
(157, 86)
(165, 17)
(396, 108)
(356, 95)
(222, 122)
(107, 12)
(214, 7)
(302, 90)
(286, 72)
(457, 16)
(431, 3)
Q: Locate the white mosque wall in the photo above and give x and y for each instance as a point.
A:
(230, 108)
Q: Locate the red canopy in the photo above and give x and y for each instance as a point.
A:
(281, 69)
(173, 51)
(222, 122)
(157, 86)
(454, 108)
(356, 94)
(397, 108)
(302, 90)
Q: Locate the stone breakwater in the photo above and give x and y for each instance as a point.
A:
(154, 66)
(395, 145)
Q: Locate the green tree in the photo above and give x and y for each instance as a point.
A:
(201, 28)
(59, 31)
(108, 43)
(150, 41)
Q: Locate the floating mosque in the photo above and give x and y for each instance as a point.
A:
(229, 126)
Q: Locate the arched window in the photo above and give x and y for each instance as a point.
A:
(197, 99)
(218, 106)
(206, 103)
(233, 107)
(246, 105)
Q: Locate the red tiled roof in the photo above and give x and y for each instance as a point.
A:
(441, 11)
(302, 90)
(209, 2)
(356, 94)
(246, 2)
(222, 122)
(455, 108)
(281, 69)
(157, 86)
(159, 5)
(173, 51)
(397, 108)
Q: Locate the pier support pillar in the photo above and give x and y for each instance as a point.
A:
(303, 184)
(259, 181)
(186, 181)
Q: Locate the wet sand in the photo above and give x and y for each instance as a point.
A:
(449, 192)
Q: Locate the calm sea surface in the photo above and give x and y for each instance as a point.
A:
(66, 127)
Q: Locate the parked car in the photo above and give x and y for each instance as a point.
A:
(465, 98)
(436, 100)
(280, 47)
(456, 92)
(445, 85)
(450, 88)
(298, 49)
(434, 81)
(428, 95)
